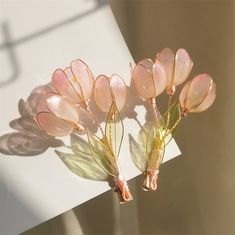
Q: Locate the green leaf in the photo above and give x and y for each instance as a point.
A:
(80, 146)
(155, 143)
(142, 135)
(150, 139)
(138, 154)
(102, 154)
(83, 166)
(138, 148)
(114, 130)
(141, 149)
(80, 160)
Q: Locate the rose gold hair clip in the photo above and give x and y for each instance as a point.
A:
(60, 114)
(150, 80)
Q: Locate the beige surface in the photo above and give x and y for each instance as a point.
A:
(197, 191)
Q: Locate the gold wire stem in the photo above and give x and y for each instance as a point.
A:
(155, 110)
(151, 175)
(173, 127)
(155, 160)
(168, 106)
(96, 120)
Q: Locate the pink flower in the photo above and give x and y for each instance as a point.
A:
(74, 83)
(149, 78)
(198, 94)
(57, 112)
(107, 90)
(57, 116)
(177, 67)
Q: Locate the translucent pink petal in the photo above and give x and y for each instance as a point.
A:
(69, 73)
(143, 81)
(148, 64)
(62, 108)
(209, 100)
(183, 66)
(198, 91)
(84, 76)
(42, 103)
(64, 87)
(53, 125)
(102, 93)
(37, 94)
(166, 57)
(183, 94)
(119, 89)
(159, 75)
(76, 85)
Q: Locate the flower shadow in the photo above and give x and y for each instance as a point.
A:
(27, 139)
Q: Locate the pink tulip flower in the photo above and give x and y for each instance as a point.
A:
(177, 67)
(74, 83)
(198, 94)
(107, 90)
(149, 78)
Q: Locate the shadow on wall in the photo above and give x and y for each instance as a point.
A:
(28, 139)
(196, 195)
(9, 48)
(9, 44)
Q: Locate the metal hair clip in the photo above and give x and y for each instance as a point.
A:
(59, 114)
(150, 80)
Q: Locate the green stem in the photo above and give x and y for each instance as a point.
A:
(96, 120)
(173, 127)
